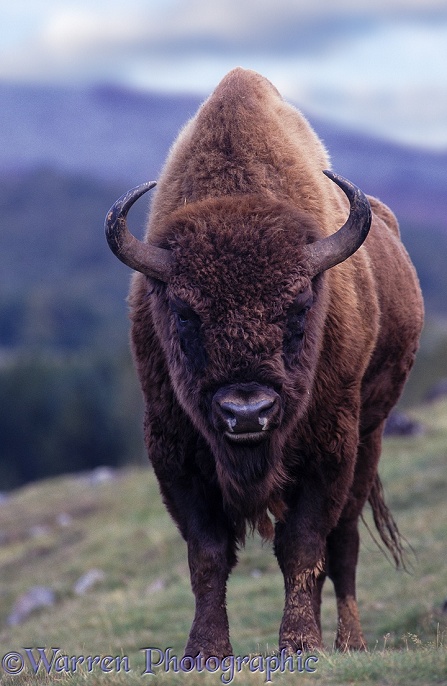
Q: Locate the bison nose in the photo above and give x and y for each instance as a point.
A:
(245, 409)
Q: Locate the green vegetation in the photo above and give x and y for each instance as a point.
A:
(69, 399)
(64, 413)
(427, 246)
(60, 286)
(431, 361)
(53, 532)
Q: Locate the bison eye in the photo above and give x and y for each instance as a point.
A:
(189, 330)
(182, 319)
(185, 317)
(296, 323)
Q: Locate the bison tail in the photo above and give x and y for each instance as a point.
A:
(386, 526)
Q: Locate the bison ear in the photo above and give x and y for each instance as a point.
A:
(328, 252)
(143, 257)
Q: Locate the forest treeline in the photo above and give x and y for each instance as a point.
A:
(69, 398)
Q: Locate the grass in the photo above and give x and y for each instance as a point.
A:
(52, 532)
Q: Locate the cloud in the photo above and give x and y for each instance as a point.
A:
(72, 30)
(392, 81)
(85, 27)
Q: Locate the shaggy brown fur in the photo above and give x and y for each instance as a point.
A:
(242, 192)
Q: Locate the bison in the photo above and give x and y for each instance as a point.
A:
(270, 346)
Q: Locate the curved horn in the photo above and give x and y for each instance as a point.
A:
(147, 259)
(328, 252)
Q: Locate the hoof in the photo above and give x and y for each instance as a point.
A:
(349, 644)
(309, 644)
(217, 650)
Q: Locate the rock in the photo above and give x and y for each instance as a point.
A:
(38, 531)
(34, 599)
(156, 586)
(400, 424)
(437, 392)
(64, 519)
(101, 475)
(88, 580)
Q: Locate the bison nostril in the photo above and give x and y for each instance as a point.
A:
(229, 418)
(265, 414)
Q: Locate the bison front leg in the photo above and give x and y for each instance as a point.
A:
(197, 508)
(210, 564)
(301, 565)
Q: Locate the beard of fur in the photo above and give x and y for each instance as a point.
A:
(251, 477)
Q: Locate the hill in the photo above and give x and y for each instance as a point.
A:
(67, 153)
(55, 532)
(60, 286)
(121, 135)
(104, 131)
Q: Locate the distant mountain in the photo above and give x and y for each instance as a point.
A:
(411, 181)
(123, 136)
(108, 132)
(67, 153)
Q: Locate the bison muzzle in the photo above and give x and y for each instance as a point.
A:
(270, 345)
(245, 413)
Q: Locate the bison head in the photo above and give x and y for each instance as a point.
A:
(239, 302)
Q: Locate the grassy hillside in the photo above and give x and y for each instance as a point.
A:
(53, 532)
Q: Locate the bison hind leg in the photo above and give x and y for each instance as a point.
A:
(342, 555)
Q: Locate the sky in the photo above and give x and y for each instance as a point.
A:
(374, 65)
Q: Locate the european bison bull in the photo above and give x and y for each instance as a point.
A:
(270, 348)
